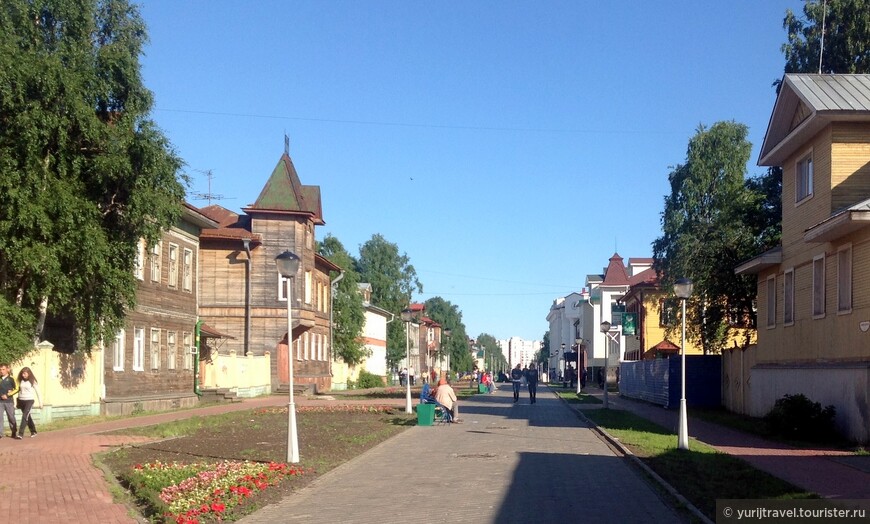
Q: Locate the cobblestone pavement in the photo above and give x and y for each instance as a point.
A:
(505, 463)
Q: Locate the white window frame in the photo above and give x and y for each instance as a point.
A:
(171, 349)
(155, 261)
(771, 301)
(187, 270)
(119, 350)
(818, 297)
(308, 287)
(788, 297)
(803, 178)
(154, 348)
(138, 349)
(139, 270)
(186, 344)
(173, 265)
(844, 279)
(282, 287)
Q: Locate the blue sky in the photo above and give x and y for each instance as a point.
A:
(508, 148)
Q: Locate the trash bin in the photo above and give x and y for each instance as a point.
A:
(425, 414)
(481, 388)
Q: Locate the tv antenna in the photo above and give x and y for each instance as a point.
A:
(208, 195)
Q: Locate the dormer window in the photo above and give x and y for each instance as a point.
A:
(804, 178)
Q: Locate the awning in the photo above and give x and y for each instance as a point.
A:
(206, 331)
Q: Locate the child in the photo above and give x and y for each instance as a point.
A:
(28, 394)
(8, 389)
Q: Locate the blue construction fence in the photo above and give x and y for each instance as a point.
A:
(658, 381)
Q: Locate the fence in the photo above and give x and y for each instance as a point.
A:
(658, 381)
(247, 376)
(736, 386)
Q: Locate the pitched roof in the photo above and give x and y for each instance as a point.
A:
(615, 275)
(284, 193)
(646, 277)
(806, 103)
(231, 226)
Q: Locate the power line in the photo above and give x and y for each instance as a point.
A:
(559, 286)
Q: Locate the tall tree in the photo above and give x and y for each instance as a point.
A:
(348, 313)
(495, 359)
(393, 281)
(449, 316)
(84, 173)
(543, 357)
(846, 37)
(703, 234)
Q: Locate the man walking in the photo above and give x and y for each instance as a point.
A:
(516, 379)
(532, 378)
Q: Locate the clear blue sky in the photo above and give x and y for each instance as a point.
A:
(508, 148)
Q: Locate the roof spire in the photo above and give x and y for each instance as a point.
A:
(286, 144)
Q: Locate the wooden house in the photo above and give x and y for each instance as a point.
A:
(149, 365)
(814, 289)
(244, 295)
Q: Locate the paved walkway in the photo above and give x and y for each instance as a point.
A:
(506, 463)
(833, 474)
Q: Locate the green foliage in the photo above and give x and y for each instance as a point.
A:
(449, 316)
(84, 174)
(797, 417)
(368, 380)
(704, 235)
(846, 37)
(348, 312)
(495, 358)
(393, 281)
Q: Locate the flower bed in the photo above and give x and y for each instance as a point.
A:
(188, 493)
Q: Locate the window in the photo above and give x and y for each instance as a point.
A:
(187, 343)
(187, 270)
(118, 351)
(170, 350)
(771, 301)
(819, 286)
(788, 297)
(282, 287)
(668, 312)
(173, 265)
(138, 349)
(305, 350)
(804, 178)
(844, 279)
(308, 287)
(155, 349)
(139, 270)
(155, 262)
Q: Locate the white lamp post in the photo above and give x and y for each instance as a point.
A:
(446, 348)
(578, 341)
(605, 328)
(564, 364)
(407, 314)
(288, 265)
(683, 290)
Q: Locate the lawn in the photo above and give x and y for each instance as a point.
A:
(247, 449)
(701, 474)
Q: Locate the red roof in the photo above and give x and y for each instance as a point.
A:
(231, 226)
(666, 345)
(615, 275)
(647, 276)
(417, 307)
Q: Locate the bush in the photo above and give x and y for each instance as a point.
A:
(369, 380)
(797, 417)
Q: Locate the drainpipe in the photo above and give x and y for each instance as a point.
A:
(247, 245)
(196, 335)
(333, 287)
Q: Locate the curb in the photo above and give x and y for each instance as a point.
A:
(613, 441)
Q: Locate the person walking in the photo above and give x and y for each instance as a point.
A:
(516, 380)
(532, 377)
(8, 388)
(28, 395)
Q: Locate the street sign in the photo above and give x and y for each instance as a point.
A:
(629, 324)
(616, 312)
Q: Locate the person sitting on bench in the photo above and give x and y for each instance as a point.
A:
(445, 396)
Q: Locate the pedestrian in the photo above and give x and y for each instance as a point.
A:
(412, 376)
(403, 376)
(516, 380)
(8, 388)
(28, 395)
(532, 377)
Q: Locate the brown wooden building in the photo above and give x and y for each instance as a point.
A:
(149, 366)
(242, 293)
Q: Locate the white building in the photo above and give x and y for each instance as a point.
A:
(519, 351)
(374, 337)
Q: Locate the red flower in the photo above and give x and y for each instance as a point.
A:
(218, 508)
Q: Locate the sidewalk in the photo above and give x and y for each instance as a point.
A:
(833, 474)
(506, 463)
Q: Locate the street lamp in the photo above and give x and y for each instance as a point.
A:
(578, 341)
(288, 266)
(683, 290)
(564, 364)
(447, 333)
(605, 328)
(407, 314)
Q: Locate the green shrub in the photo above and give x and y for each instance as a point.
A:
(797, 417)
(369, 380)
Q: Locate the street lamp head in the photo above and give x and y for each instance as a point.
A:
(288, 264)
(605, 327)
(578, 341)
(407, 314)
(683, 288)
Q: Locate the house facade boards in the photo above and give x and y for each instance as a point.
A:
(244, 295)
(814, 290)
(149, 364)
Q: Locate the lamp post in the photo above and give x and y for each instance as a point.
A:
(683, 290)
(447, 333)
(407, 314)
(578, 341)
(605, 328)
(564, 369)
(288, 265)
